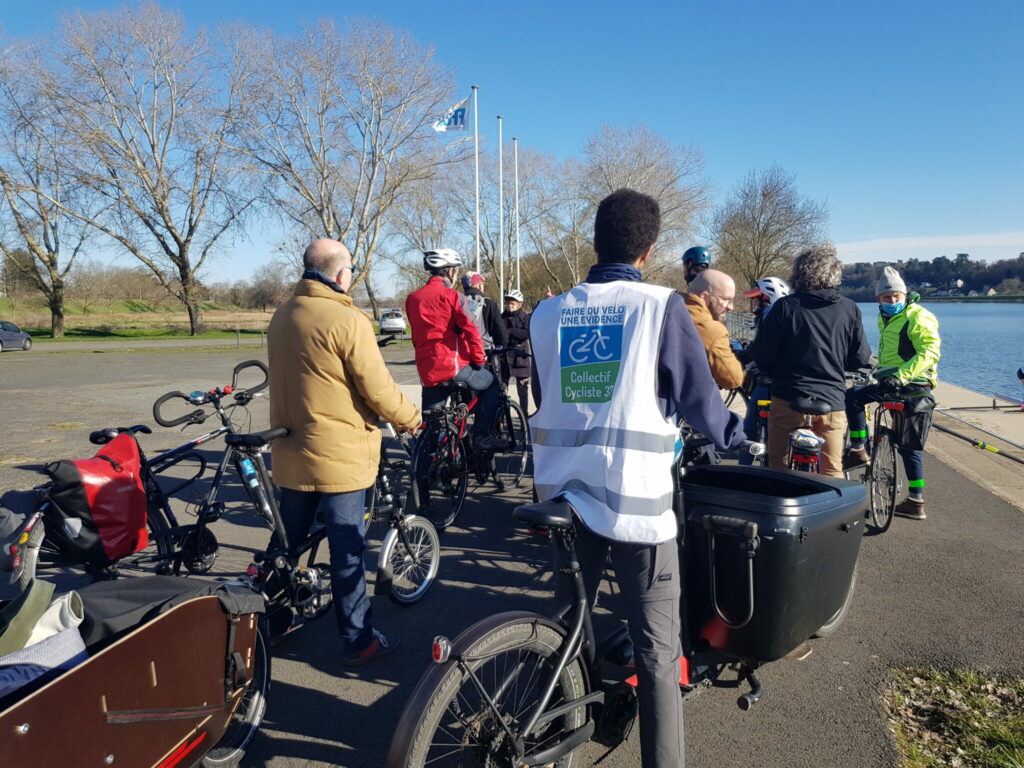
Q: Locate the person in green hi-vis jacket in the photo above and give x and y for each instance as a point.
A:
(908, 357)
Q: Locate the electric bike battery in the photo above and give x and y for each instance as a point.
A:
(769, 557)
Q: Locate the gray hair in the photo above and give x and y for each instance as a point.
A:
(816, 269)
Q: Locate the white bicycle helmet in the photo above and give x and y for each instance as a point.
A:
(772, 287)
(514, 295)
(441, 258)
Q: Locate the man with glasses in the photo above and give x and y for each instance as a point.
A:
(329, 387)
(709, 296)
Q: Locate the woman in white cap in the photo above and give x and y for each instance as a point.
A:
(908, 356)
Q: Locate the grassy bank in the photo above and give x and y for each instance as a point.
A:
(130, 319)
(961, 719)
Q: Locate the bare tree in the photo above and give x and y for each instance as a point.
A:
(765, 223)
(340, 121)
(639, 158)
(36, 186)
(148, 106)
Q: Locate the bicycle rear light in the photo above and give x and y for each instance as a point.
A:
(441, 649)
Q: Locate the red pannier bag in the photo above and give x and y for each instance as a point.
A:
(97, 507)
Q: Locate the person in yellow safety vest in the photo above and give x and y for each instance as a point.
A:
(908, 356)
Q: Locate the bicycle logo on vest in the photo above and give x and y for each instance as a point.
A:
(590, 356)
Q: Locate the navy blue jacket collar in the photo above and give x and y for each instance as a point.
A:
(320, 277)
(607, 273)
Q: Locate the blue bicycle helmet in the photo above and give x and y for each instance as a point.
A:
(699, 255)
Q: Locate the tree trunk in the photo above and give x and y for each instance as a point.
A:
(56, 303)
(189, 297)
(372, 297)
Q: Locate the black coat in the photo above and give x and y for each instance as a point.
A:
(808, 342)
(518, 326)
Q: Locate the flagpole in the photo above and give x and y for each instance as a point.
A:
(476, 164)
(501, 215)
(515, 149)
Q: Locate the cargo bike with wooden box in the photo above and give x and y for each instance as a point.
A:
(162, 672)
(769, 559)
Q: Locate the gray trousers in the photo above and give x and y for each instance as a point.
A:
(648, 576)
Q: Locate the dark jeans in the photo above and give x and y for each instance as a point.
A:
(648, 575)
(483, 383)
(343, 516)
(856, 399)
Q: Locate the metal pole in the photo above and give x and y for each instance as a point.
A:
(476, 166)
(501, 213)
(515, 147)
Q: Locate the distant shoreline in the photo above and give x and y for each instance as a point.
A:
(973, 299)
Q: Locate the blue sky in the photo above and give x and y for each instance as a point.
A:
(907, 116)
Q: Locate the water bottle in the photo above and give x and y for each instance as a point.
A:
(249, 474)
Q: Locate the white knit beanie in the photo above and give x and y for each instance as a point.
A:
(890, 281)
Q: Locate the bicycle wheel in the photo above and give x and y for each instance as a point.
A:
(447, 721)
(248, 715)
(830, 626)
(509, 464)
(161, 539)
(440, 475)
(883, 473)
(409, 560)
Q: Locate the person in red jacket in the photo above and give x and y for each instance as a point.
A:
(448, 344)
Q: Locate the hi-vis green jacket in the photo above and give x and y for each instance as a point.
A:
(908, 345)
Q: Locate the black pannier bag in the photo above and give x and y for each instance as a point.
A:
(770, 556)
(96, 510)
(913, 428)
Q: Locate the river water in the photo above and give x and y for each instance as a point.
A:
(982, 344)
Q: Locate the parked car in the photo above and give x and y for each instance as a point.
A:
(12, 337)
(392, 322)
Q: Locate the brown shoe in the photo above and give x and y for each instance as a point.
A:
(855, 457)
(914, 510)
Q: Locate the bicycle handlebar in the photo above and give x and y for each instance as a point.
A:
(194, 417)
(251, 364)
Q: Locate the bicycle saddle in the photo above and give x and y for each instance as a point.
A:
(810, 407)
(453, 385)
(255, 439)
(556, 513)
(104, 436)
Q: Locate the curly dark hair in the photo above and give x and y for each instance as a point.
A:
(626, 225)
(816, 269)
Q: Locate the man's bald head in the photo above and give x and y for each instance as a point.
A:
(327, 256)
(717, 290)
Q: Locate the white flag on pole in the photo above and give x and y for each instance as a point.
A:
(455, 118)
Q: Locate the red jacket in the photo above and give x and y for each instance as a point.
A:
(445, 338)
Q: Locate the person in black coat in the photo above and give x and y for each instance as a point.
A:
(516, 363)
(805, 346)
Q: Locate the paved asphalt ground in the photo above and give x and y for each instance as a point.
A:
(945, 592)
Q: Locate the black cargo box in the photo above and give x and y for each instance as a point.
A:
(774, 549)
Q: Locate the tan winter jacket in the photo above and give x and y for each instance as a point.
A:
(328, 386)
(725, 366)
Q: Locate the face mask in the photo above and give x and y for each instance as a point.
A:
(893, 309)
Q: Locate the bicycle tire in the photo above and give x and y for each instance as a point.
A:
(439, 475)
(248, 715)
(509, 643)
(159, 526)
(830, 626)
(509, 465)
(883, 475)
(406, 569)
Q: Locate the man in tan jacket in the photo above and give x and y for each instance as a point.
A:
(708, 298)
(329, 387)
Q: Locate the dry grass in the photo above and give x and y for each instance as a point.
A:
(960, 719)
